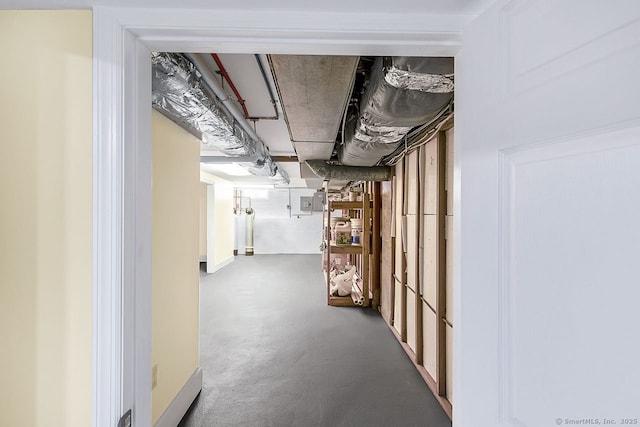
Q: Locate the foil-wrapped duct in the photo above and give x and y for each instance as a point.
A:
(330, 172)
(403, 92)
(179, 93)
(430, 83)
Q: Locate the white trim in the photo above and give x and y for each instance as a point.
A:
(181, 403)
(108, 246)
(122, 161)
(222, 264)
(138, 203)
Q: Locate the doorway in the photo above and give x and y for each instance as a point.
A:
(123, 181)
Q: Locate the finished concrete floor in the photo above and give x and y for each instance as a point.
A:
(274, 354)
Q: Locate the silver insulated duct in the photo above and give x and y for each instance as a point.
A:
(402, 93)
(330, 172)
(181, 92)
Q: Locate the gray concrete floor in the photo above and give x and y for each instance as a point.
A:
(274, 354)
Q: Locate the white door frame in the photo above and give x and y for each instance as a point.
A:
(123, 38)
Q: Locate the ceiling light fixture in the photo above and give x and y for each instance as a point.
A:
(232, 169)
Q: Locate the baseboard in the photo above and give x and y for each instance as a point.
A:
(222, 264)
(181, 403)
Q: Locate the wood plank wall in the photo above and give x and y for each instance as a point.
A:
(416, 273)
(386, 266)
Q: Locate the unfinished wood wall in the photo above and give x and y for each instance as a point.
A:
(399, 259)
(416, 275)
(449, 263)
(386, 267)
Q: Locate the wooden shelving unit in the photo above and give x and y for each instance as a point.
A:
(360, 252)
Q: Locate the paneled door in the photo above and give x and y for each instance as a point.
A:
(546, 225)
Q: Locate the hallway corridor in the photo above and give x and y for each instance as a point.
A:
(274, 354)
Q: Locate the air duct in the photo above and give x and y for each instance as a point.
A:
(402, 93)
(328, 172)
(189, 95)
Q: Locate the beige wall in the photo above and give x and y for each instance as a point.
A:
(45, 218)
(223, 219)
(175, 276)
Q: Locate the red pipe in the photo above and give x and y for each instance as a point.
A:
(224, 73)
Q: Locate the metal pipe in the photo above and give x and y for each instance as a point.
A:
(225, 75)
(220, 93)
(263, 156)
(276, 115)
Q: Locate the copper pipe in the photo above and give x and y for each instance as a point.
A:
(225, 75)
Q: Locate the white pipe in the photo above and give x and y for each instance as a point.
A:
(222, 95)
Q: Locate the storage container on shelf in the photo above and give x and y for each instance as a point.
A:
(356, 231)
(334, 221)
(343, 233)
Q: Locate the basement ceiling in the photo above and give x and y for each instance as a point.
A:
(303, 108)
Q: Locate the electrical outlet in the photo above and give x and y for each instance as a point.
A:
(154, 376)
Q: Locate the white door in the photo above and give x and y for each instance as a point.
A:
(548, 215)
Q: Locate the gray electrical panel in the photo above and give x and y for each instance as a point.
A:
(306, 204)
(313, 203)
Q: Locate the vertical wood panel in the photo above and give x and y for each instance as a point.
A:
(386, 255)
(429, 334)
(430, 204)
(449, 381)
(449, 270)
(411, 316)
(430, 259)
(449, 175)
(413, 186)
(412, 251)
(399, 314)
(420, 256)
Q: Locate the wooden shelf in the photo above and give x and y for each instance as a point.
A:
(345, 205)
(341, 301)
(353, 249)
(360, 252)
(348, 205)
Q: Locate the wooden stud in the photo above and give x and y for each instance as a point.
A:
(376, 240)
(441, 269)
(404, 240)
(366, 250)
(418, 263)
(393, 282)
(328, 249)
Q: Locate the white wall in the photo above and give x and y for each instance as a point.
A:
(224, 222)
(277, 231)
(45, 218)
